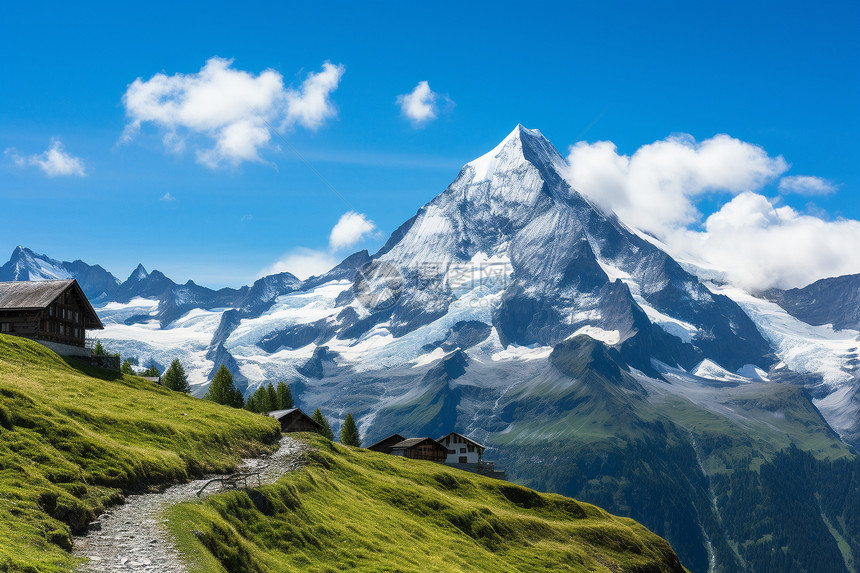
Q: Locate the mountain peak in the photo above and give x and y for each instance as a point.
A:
(139, 273)
(23, 253)
(519, 146)
(24, 264)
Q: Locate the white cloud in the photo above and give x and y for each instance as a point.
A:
(655, 188)
(311, 105)
(167, 198)
(761, 245)
(303, 263)
(350, 229)
(806, 185)
(53, 162)
(226, 108)
(419, 105)
(757, 242)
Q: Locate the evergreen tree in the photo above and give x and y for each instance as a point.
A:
(99, 350)
(259, 401)
(349, 433)
(285, 397)
(126, 367)
(222, 390)
(175, 378)
(152, 372)
(273, 398)
(326, 429)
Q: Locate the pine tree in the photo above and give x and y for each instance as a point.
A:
(273, 398)
(126, 367)
(175, 378)
(222, 390)
(349, 433)
(152, 372)
(260, 401)
(99, 350)
(285, 397)
(326, 429)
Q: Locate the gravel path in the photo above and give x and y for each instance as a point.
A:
(134, 537)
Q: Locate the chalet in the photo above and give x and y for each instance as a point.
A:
(384, 446)
(467, 454)
(462, 450)
(294, 420)
(54, 313)
(420, 449)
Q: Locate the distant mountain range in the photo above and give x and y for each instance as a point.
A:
(512, 309)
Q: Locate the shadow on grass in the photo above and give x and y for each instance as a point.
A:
(83, 366)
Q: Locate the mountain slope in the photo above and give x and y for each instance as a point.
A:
(556, 253)
(358, 510)
(834, 301)
(73, 438)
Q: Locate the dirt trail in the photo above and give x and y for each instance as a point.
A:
(133, 537)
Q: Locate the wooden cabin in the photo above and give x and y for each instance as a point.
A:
(55, 313)
(384, 446)
(420, 449)
(294, 420)
(462, 450)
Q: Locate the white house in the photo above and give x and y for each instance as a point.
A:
(462, 450)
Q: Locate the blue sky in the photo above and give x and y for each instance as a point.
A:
(781, 76)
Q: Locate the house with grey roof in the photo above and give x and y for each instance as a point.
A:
(54, 313)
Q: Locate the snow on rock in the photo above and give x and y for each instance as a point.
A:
(820, 350)
(713, 371)
(609, 337)
(802, 347)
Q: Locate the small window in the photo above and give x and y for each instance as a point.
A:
(51, 310)
(4, 326)
(471, 449)
(462, 450)
(452, 451)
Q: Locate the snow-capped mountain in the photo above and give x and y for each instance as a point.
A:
(25, 265)
(512, 309)
(508, 252)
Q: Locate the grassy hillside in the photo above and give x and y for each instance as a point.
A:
(686, 462)
(357, 510)
(683, 457)
(72, 437)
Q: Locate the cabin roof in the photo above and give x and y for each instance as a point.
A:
(468, 440)
(383, 440)
(37, 295)
(281, 413)
(412, 442)
(278, 414)
(31, 294)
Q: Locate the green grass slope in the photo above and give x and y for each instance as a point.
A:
(72, 437)
(691, 460)
(357, 510)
